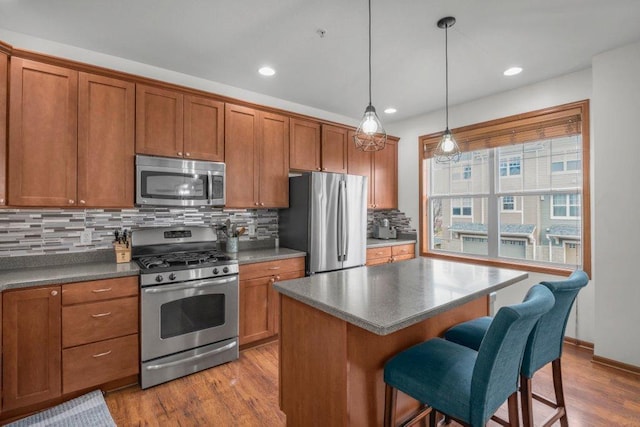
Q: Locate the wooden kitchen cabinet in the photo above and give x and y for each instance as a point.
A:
(381, 167)
(43, 125)
(31, 346)
(318, 147)
(259, 301)
(106, 114)
(257, 158)
(172, 124)
(387, 254)
(71, 138)
(4, 81)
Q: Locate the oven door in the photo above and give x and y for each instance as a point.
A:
(187, 315)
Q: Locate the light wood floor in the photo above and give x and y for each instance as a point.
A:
(245, 393)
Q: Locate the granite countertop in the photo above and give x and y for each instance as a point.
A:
(386, 298)
(250, 256)
(60, 274)
(379, 243)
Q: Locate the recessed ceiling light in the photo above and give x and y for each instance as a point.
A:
(390, 110)
(512, 71)
(267, 71)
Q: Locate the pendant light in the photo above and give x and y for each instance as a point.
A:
(447, 149)
(370, 135)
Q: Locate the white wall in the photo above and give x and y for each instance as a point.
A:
(23, 41)
(569, 88)
(616, 199)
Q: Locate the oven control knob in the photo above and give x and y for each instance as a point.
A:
(172, 276)
(215, 271)
(225, 270)
(159, 278)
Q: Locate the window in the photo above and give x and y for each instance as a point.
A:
(535, 220)
(565, 206)
(510, 166)
(461, 207)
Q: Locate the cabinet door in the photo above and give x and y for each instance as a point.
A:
(361, 163)
(3, 127)
(106, 114)
(304, 147)
(159, 125)
(31, 346)
(42, 134)
(203, 129)
(255, 320)
(274, 299)
(274, 160)
(241, 156)
(385, 186)
(334, 149)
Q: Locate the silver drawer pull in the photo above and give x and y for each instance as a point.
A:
(102, 354)
(97, 291)
(191, 358)
(274, 268)
(108, 313)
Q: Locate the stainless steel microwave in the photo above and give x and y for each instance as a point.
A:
(163, 181)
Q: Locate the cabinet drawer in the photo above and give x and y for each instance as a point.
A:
(270, 268)
(374, 253)
(98, 363)
(403, 250)
(377, 261)
(99, 290)
(85, 323)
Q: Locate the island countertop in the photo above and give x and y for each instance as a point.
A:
(386, 298)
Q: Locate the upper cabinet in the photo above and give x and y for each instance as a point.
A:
(70, 138)
(4, 81)
(381, 167)
(257, 158)
(173, 124)
(43, 125)
(316, 147)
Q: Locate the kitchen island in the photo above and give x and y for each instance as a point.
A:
(338, 329)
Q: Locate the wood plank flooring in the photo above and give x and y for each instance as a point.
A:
(245, 393)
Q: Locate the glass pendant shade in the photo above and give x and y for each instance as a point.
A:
(447, 149)
(370, 135)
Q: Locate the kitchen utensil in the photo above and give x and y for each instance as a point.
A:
(241, 231)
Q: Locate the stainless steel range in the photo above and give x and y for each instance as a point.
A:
(189, 302)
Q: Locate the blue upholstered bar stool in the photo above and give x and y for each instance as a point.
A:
(544, 345)
(467, 385)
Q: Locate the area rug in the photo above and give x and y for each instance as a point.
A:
(87, 410)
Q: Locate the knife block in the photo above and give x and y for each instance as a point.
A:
(123, 253)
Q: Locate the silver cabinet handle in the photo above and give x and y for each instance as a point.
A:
(71, 201)
(274, 268)
(192, 358)
(179, 153)
(102, 354)
(187, 154)
(97, 291)
(82, 202)
(95, 316)
(54, 293)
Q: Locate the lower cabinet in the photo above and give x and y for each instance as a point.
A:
(259, 308)
(62, 339)
(387, 254)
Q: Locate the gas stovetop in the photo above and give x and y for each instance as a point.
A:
(181, 260)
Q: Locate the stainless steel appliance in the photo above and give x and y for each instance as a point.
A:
(176, 182)
(189, 302)
(383, 230)
(326, 218)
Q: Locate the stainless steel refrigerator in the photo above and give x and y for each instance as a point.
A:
(326, 218)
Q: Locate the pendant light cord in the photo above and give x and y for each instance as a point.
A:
(369, 52)
(446, 72)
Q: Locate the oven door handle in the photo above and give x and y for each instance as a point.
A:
(195, 285)
(192, 358)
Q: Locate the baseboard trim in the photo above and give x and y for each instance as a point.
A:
(579, 343)
(615, 364)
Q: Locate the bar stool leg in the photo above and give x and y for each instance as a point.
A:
(390, 396)
(526, 401)
(557, 385)
(513, 410)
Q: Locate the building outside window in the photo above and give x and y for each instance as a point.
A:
(515, 207)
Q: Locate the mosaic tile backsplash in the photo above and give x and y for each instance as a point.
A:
(396, 218)
(47, 231)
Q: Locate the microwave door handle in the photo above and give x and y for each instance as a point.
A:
(210, 187)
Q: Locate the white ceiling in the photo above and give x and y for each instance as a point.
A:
(228, 40)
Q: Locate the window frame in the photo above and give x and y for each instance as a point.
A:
(545, 123)
(567, 205)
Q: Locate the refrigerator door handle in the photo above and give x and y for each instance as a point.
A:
(339, 221)
(343, 214)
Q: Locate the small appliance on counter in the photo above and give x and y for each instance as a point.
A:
(384, 231)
